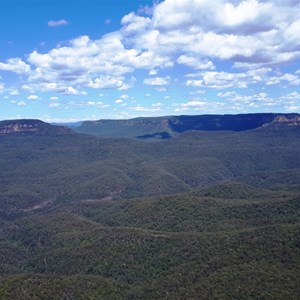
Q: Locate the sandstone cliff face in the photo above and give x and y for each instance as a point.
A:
(290, 120)
(30, 126)
(14, 128)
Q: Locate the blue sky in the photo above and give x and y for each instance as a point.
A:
(71, 60)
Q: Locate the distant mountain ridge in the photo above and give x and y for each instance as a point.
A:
(153, 127)
(169, 126)
(31, 126)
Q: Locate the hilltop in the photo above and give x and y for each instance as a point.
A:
(30, 126)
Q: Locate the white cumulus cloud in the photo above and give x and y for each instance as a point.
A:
(56, 23)
(33, 97)
(157, 81)
(54, 105)
(223, 44)
(15, 65)
(14, 93)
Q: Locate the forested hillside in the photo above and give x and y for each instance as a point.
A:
(204, 215)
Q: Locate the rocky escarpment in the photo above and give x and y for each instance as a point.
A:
(290, 120)
(30, 127)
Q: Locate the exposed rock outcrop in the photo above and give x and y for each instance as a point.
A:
(31, 127)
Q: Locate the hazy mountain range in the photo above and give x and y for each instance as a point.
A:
(166, 127)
